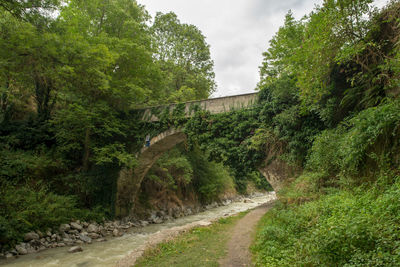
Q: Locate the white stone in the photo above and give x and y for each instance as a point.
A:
(92, 228)
(115, 232)
(21, 250)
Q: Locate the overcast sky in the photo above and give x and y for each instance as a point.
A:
(238, 32)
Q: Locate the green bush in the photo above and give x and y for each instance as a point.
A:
(210, 178)
(26, 208)
(345, 225)
(343, 228)
(372, 137)
(174, 168)
(18, 165)
(259, 181)
(180, 168)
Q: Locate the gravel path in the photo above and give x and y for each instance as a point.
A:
(242, 235)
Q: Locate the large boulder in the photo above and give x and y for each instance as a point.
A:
(275, 169)
(64, 227)
(94, 235)
(85, 238)
(92, 228)
(116, 233)
(76, 226)
(31, 236)
(21, 249)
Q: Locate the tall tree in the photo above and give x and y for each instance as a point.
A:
(335, 33)
(30, 61)
(184, 56)
(120, 27)
(110, 70)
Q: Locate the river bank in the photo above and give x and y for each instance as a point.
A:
(119, 247)
(78, 232)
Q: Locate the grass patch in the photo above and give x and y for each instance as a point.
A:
(358, 227)
(202, 246)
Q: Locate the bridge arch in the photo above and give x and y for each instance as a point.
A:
(275, 170)
(129, 180)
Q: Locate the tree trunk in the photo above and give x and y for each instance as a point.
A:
(43, 97)
(86, 150)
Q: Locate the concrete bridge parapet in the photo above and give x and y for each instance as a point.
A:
(213, 105)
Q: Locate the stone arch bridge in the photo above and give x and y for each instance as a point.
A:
(129, 180)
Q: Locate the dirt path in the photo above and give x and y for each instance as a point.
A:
(241, 238)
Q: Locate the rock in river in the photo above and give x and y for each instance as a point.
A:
(75, 249)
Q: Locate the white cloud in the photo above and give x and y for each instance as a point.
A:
(238, 32)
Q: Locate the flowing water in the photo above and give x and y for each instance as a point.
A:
(110, 252)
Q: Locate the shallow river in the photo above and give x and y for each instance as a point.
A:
(110, 252)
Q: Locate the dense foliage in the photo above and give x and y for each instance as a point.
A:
(70, 74)
(339, 65)
(224, 136)
(187, 174)
(343, 228)
(350, 215)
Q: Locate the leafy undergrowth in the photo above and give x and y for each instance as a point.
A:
(345, 209)
(24, 209)
(202, 246)
(358, 227)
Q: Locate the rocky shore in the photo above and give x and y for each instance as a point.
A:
(77, 233)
